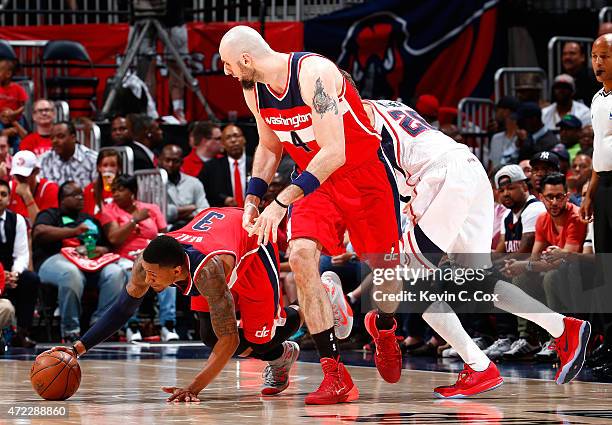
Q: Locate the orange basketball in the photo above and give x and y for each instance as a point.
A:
(55, 375)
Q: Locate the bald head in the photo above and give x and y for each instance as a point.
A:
(241, 49)
(601, 59)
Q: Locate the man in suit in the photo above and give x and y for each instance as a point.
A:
(225, 178)
(148, 136)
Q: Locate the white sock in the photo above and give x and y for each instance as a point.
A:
(513, 300)
(445, 322)
(178, 105)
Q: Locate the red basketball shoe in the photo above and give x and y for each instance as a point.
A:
(571, 347)
(337, 385)
(388, 356)
(471, 383)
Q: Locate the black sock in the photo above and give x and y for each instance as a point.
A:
(326, 344)
(273, 354)
(384, 321)
(169, 325)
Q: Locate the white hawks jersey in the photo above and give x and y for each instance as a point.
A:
(408, 140)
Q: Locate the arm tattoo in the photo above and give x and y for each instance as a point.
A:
(322, 102)
(211, 283)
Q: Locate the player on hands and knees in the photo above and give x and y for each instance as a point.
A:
(302, 103)
(441, 176)
(204, 259)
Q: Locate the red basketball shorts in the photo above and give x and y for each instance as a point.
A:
(257, 295)
(363, 201)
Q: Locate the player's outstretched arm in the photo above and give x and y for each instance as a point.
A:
(211, 283)
(116, 316)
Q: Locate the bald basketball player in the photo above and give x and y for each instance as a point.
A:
(303, 104)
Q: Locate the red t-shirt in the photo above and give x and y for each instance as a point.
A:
(192, 164)
(142, 233)
(36, 143)
(573, 232)
(12, 96)
(45, 197)
(90, 206)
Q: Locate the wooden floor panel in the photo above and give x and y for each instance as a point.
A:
(122, 392)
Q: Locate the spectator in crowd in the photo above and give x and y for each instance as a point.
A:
(7, 311)
(526, 167)
(99, 192)
(503, 149)
(5, 159)
(148, 136)
(586, 140)
(11, 128)
(533, 136)
(452, 131)
(563, 90)
(573, 62)
(68, 160)
(186, 196)
(543, 164)
(604, 28)
(427, 106)
(564, 158)
(205, 143)
(225, 178)
(129, 225)
(570, 131)
(518, 226)
(529, 88)
(30, 193)
(21, 284)
(582, 167)
(12, 102)
(120, 132)
(68, 225)
(39, 141)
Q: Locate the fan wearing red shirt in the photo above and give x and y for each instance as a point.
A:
(43, 115)
(99, 192)
(12, 95)
(205, 143)
(30, 194)
(561, 226)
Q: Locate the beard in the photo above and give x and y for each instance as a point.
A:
(247, 84)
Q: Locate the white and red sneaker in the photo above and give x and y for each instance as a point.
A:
(388, 356)
(276, 374)
(343, 313)
(471, 383)
(571, 347)
(337, 386)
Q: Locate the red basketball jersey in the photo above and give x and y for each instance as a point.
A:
(217, 231)
(291, 120)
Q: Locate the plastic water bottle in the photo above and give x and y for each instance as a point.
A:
(90, 245)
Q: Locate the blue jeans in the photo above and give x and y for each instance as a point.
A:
(165, 298)
(70, 282)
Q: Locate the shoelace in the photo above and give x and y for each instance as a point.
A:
(330, 375)
(464, 375)
(273, 375)
(388, 346)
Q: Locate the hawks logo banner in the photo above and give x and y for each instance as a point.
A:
(405, 48)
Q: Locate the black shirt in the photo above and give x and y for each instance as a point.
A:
(54, 217)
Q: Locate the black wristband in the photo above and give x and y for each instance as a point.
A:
(74, 350)
(280, 203)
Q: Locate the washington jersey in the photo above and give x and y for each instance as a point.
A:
(290, 118)
(217, 231)
(409, 143)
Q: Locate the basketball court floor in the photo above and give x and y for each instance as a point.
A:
(121, 385)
